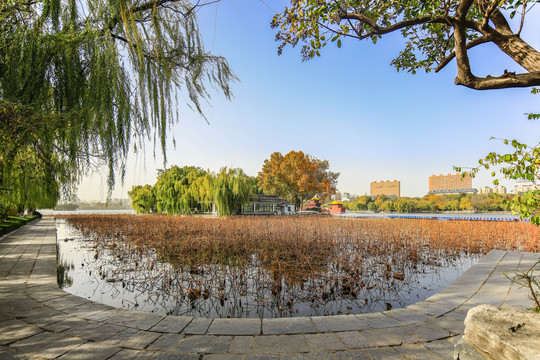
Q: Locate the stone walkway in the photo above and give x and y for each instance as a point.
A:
(39, 320)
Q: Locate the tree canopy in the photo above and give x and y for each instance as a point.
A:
(80, 82)
(436, 32)
(190, 189)
(297, 177)
(523, 164)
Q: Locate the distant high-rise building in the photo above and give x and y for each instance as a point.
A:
(501, 190)
(524, 186)
(484, 190)
(385, 188)
(450, 184)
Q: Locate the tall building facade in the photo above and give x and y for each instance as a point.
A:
(450, 183)
(385, 188)
(485, 190)
(524, 186)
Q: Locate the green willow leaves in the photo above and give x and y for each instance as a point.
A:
(80, 82)
(190, 190)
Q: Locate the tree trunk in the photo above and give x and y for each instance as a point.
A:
(521, 52)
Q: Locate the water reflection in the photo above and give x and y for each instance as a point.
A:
(120, 275)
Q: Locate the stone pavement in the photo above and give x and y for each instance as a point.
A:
(38, 320)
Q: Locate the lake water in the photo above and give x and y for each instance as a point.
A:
(122, 282)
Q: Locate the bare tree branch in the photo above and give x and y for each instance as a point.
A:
(469, 45)
(507, 80)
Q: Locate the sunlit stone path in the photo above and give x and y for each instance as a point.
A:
(39, 320)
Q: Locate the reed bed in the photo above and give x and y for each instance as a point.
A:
(285, 266)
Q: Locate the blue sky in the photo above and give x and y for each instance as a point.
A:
(350, 107)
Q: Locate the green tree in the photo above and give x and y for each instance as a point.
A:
(372, 206)
(436, 33)
(143, 199)
(363, 202)
(79, 80)
(233, 189)
(404, 205)
(173, 189)
(465, 204)
(387, 206)
(522, 164)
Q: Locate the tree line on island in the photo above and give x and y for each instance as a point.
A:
(296, 177)
(432, 203)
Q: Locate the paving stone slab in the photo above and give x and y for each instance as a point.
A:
(389, 337)
(432, 309)
(443, 348)
(66, 324)
(307, 356)
(339, 323)
(46, 317)
(198, 326)
(235, 327)
(385, 353)
(139, 340)
(221, 357)
(8, 354)
(298, 325)
(44, 293)
(518, 297)
(128, 354)
(351, 355)
(262, 357)
(354, 340)
(65, 302)
(204, 344)
(379, 321)
(47, 345)
(164, 356)
(165, 342)
(90, 350)
(22, 307)
(104, 315)
(14, 330)
(427, 331)
(4, 315)
(324, 342)
(454, 299)
(416, 351)
(449, 323)
(83, 327)
(135, 319)
(102, 333)
(121, 336)
(273, 344)
(242, 345)
(407, 316)
(86, 311)
(172, 324)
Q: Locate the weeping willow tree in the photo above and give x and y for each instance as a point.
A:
(190, 189)
(173, 189)
(83, 81)
(232, 189)
(202, 191)
(143, 199)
